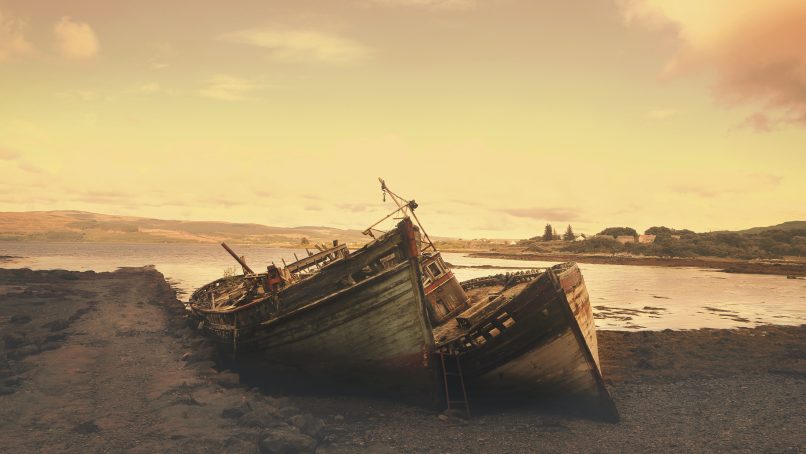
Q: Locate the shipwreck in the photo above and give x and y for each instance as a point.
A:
(392, 316)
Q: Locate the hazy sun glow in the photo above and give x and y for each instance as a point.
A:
(496, 115)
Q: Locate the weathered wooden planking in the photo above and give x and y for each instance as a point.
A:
(538, 319)
(327, 280)
(556, 366)
(473, 316)
(546, 350)
(317, 258)
(576, 293)
(245, 319)
(375, 334)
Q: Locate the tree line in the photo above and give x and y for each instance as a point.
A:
(670, 242)
(686, 243)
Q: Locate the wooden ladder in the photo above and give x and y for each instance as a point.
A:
(453, 378)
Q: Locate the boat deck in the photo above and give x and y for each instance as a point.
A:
(480, 298)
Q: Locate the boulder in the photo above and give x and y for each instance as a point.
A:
(236, 412)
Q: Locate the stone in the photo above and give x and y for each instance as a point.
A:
(23, 351)
(237, 411)
(265, 417)
(228, 379)
(20, 319)
(286, 440)
(50, 346)
(12, 340)
(88, 427)
(5, 390)
(57, 325)
(338, 418)
(442, 417)
(232, 412)
(309, 425)
(56, 337)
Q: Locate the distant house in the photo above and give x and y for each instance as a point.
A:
(646, 239)
(624, 239)
(580, 237)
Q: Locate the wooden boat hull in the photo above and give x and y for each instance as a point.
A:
(363, 323)
(372, 336)
(551, 348)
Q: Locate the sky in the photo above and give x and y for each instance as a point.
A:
(497, 116)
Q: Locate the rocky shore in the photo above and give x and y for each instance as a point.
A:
(105, 362)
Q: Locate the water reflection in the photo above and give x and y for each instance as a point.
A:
(649, 297)
(623, 297)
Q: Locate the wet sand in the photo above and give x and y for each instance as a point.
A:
(104, 362)
(795, 269)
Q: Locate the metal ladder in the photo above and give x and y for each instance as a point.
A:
(460, 383)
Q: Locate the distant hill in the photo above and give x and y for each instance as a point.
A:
(790, 225)
(81, 226)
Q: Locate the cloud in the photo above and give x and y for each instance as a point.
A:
(429, 4)
(151, 87)
(545, 214)
(16, 158)
(356, 207)
(301, 45)
(743, 184)
(76, 40)
(755, 49)
(758, 122)
(9, 155)
(28, 167)
(259, 192)
(101, 196)
(227, 88)
(660, 114)
(12, 40)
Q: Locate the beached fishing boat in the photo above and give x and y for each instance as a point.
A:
(392, 316)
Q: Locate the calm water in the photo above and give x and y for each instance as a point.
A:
(623, 297)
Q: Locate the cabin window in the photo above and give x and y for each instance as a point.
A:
(435, 269)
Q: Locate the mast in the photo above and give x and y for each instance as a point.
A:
(406, 207)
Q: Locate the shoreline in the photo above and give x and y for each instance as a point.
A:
(99, 361)
(797, 269)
